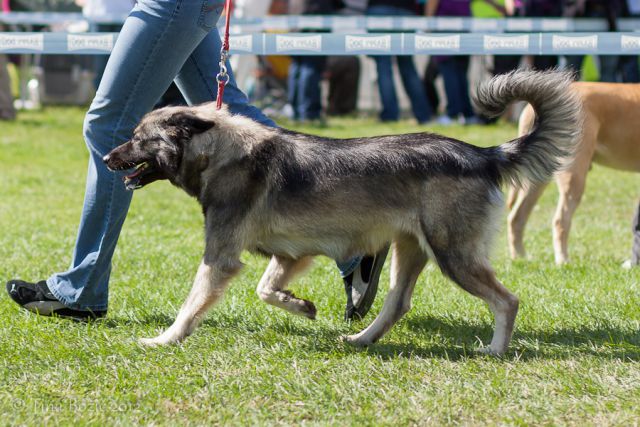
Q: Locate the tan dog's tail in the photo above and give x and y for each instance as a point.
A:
(536, 156)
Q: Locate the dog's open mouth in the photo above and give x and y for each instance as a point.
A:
(134, 180)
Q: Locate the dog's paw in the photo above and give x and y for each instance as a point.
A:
(628, 264)
(355, 340)
(490, 351)
(153, 342)
(308, 310)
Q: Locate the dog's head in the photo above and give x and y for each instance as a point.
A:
(157, 147)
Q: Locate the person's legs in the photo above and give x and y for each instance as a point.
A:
(544, 62)
(574, 64)
(309, 94)
(635, 248)
(386, 88)
(344, 78)
(429, 82)
(293, 94)
(155, 42)
(448, 70)
(462, 66)
(414, 88)
(197, 80)
(630, 69)
(7, 111)
(608, 68)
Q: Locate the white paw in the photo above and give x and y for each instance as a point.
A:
(356, 340)
(490, 351)
(628, 265)
(153, 342)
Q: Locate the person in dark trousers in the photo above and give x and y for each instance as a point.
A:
(305, 72)
(454, 68)
(608, 9)
(384, 66)
(634, 261)
(343, 74)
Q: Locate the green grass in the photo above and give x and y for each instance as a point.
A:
(574, 359)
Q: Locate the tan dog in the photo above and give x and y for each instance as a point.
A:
(611, 137)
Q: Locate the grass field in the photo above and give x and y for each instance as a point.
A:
(574, 360)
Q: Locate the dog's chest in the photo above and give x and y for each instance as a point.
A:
(300, 246)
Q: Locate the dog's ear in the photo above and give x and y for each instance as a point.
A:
(191, 123)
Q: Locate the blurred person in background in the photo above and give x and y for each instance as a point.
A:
(343, 73)
(628, 64)
(635, 248)
(454, 68)
(7, 110)
(503, 64)
(611, 10)
(305, 71)
(537, 8)
(410, 79)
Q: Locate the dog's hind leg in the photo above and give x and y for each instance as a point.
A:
(477, 277)
(407, 262)
(273, 283)
(571, 185)
(525, 200)
(209, 285)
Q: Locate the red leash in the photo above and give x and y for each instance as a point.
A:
(223, 78)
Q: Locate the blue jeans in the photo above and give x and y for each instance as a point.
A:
(305, 75)
(408, 74)
(160, 41)
(456, 85)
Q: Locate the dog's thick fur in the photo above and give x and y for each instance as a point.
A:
(294, 196)
(611, 137)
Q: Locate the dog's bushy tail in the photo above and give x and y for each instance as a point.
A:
(536, 156)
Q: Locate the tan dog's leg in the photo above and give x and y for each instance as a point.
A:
(525, 200)
(571, 185)
(209, 285)
(273, 283)
(406, 264)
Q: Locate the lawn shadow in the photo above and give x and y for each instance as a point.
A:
(461, 338)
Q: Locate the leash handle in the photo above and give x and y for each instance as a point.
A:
(223, 77)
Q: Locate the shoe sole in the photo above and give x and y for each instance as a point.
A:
(372, 290)
(57, 309)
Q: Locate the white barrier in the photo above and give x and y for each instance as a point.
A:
(354, 44)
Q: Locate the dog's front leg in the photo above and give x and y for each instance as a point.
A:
(272, 286)
(210, 283)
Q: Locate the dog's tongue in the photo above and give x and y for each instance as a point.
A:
(132, 181)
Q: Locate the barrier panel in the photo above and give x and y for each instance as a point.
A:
(360, 22)
(354, 44)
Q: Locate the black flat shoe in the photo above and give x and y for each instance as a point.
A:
(37, 298)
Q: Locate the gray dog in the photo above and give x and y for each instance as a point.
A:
(293, 196)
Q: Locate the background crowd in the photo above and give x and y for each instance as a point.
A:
(299, 81)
